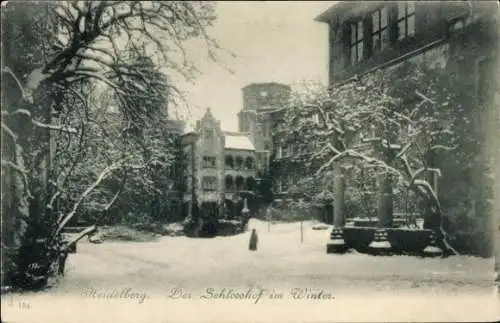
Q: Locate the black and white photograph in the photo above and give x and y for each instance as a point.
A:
(250, 161)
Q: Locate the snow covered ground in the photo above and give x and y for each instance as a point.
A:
(182, 279)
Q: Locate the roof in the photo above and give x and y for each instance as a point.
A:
(325, 15)
(346, 8)
(238, 140)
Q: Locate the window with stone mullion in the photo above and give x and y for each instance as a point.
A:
(356, 41)
(406, 19)
(380, 30)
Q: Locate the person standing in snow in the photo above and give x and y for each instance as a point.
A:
(253, 240)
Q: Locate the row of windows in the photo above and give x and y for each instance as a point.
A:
(239, 183)
(374, 32)
(239, 162)
(209, 183)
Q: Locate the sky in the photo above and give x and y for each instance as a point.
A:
(272, 42)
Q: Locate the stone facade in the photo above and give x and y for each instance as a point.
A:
(368, 36)
(426, 25)
(218, 169)
(371, 36)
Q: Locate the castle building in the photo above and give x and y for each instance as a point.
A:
(219, 170)
(260, 100)
(365, 37)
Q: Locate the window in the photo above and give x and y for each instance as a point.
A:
(239, 183)
(209, 162)
(209, 183)
(209, 134)
(229, 161)
(239, 162)
(249, 163)
(406, 19)
(356, 41)
(380, 31)
(229, 183)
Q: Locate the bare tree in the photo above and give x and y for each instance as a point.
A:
(400, 147)
(82, 43)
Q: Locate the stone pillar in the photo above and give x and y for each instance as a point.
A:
(337, 243)
(384, 201)
(339, 199)
(245, 211)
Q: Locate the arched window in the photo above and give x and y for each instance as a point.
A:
(229, 161)
(249, 163)
(239, 162)
(209, 183)
(239, 183)
(250, 184)
(229, 183)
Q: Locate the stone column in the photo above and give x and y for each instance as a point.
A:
(337, 243)
(339, 199)
(385, 200)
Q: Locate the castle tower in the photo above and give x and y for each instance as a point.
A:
(259, 99)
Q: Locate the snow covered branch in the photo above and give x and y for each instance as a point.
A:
(350, 153)
(94, 227)
(422, 170)
(425, 98)
(39, 124)
(54, 127)
(443, 147)
(104, 174)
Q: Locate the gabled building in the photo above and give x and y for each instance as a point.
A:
(219, 170)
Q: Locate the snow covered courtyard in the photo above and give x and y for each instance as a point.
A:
(219, 279)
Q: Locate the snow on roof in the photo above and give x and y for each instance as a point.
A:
(238, 141)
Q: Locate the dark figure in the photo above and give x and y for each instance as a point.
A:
(253, 241)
